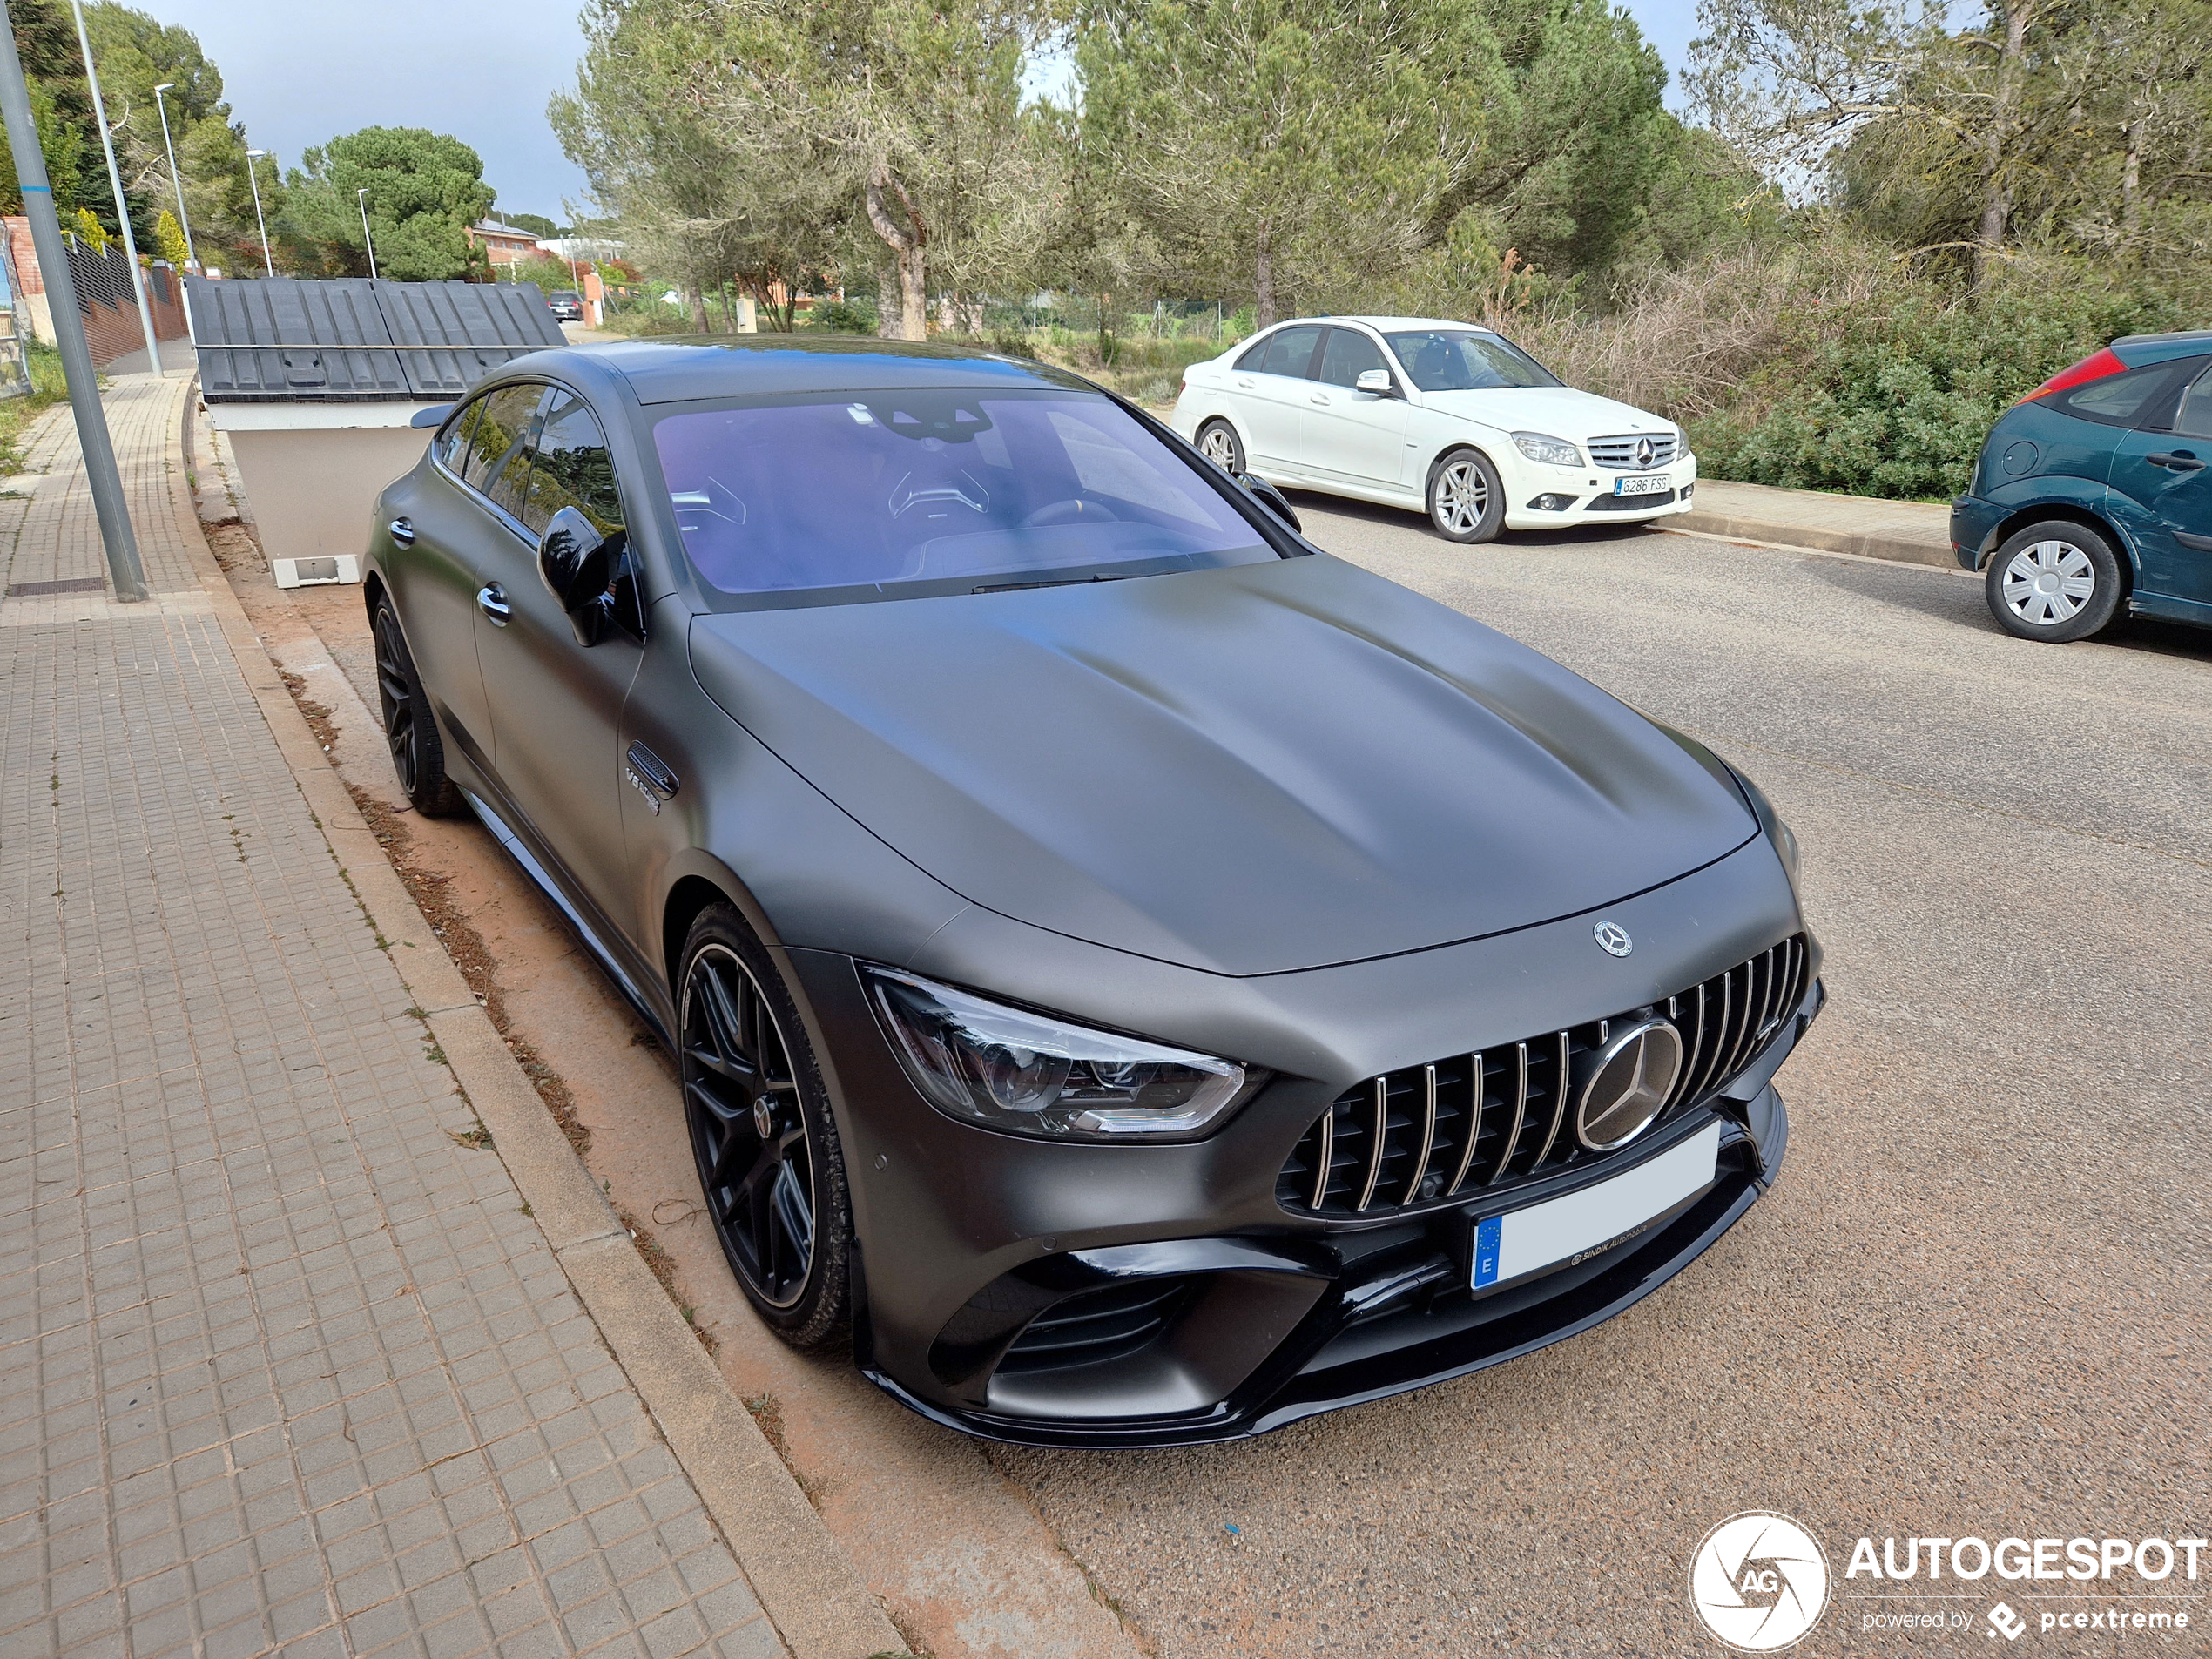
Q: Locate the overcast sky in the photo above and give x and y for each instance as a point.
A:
(300, 71)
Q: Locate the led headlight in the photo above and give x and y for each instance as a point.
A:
(1029, 1074)
(1553, 452)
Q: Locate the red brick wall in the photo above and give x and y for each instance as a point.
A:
(110, 330)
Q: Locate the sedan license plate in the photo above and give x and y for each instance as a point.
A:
(1565, 1232)
(1649, 483)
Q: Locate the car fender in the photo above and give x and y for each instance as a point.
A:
(2089, 501)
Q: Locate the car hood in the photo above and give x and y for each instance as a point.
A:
(1559, 411)
(1248, 770)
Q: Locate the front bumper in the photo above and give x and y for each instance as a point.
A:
(1257, 1316)
(1544, 498)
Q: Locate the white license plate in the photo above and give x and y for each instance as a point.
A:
(1649, 483)
(1570, 1230)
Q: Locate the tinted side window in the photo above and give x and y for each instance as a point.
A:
(453, 442)
(1348, 356)
(2119, 399)
(573, 469)
(2194, 418)
(1290, 351)
(498, 462)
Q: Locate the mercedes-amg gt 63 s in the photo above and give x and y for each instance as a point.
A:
(1145, 980)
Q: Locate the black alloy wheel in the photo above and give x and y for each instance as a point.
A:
(411, 730)
(761, 1133)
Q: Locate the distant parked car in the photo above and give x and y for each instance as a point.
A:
(1442, 417)
(2091, 499)
(569, 307)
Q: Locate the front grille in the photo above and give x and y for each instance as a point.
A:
(1630, 503)
(1620, 454)
(1096, 1326)
(1502, 1115)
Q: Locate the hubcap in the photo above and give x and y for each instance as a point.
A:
(747, 1132)
(392, 691)
(1462, 497)
(1219, 448)
(2048, 582)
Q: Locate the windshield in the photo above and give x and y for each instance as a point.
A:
(862, 494)
(1439, 360)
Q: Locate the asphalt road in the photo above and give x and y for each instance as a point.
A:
(1976, 1304)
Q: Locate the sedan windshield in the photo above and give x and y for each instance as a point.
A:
(1439, 360)
(874, 494)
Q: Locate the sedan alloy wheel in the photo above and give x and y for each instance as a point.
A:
(748, 1128)
(1465, 500)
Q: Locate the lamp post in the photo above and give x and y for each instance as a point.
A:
(177, 179)
(109, 505)
(268, 264)
(363, 194)
(115, 184)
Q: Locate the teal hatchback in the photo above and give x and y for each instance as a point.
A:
(2092, 500)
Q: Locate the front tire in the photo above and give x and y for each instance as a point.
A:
(2056, 581)
(767, 1147)
(1219, 442)
(411, 730)
(1466, 502)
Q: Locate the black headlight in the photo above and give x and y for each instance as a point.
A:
(1029, 1074)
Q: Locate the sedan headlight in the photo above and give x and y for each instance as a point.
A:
(1029, 1074)
(1553, 452)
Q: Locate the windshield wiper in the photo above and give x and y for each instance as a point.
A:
(1051, 582)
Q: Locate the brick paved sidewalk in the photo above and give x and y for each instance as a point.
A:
(285, 1367)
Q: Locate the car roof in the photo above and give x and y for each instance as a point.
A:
(676, 369)
(2141, 350)
(1385, 325)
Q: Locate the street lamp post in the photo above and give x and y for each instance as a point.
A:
(115, 184)
(177, 179)
(363, 194)
(268, 264)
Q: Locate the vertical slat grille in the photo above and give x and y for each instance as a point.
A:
(1502, 1115)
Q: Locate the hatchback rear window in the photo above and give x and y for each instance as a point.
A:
(861, 494)
(2120, 400)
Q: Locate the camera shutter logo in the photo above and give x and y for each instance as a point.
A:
(1759, 1582)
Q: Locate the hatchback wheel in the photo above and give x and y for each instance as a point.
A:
(1466, 504)
(2056, 581)
(1219, 442)
(411, 730)
(761, 1132)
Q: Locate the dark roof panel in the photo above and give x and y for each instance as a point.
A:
(677, 370)
(264, 340)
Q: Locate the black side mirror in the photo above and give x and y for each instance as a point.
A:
(575, 562)
(1270, 497)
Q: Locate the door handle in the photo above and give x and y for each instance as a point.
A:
(491, 599)
(1322, 398)
(402, 531)
(1247, 385)
(2178, 460)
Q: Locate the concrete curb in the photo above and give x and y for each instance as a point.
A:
(811, 1592)
(1735, 527)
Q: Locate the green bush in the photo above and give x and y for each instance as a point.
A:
(841, 317)
(1897, 404)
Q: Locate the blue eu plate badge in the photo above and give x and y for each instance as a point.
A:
(1487, 1235)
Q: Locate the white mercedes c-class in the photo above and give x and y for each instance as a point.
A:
(1445, 417)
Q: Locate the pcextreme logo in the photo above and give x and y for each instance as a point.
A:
(1759, 1582)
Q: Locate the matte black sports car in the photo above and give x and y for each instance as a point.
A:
(1146, 979)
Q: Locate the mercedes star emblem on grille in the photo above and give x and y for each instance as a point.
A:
(1613, 938)
(1634, 1074)
(1645, 453)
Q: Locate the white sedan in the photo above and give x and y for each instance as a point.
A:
(1445, 417)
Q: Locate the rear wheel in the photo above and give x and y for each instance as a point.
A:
(761, 1132)
(1466, 504)
(2055, 580)
(411, 730)
(1219, 442)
